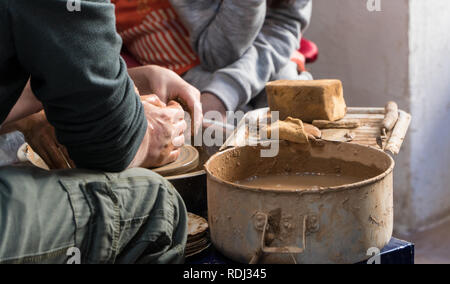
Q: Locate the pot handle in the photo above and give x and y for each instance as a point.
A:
(277, 250)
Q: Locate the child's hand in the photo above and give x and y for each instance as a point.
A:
(211, 102)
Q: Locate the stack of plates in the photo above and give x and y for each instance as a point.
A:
(198, 239)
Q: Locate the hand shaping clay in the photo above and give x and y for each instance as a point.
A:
(291, 129)
(307, 100)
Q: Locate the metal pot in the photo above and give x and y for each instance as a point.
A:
(317, 225)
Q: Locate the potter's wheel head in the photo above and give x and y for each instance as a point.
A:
(186, 162)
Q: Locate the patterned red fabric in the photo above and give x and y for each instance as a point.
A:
(153, 34)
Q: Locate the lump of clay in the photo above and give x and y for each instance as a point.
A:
(291, 129)
(307, 100)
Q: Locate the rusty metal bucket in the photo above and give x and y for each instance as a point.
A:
(318, 225)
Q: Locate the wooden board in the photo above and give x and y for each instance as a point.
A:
(369, 133)
(370, 129)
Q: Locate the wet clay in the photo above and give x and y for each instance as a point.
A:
(291, 129)
(298, 181)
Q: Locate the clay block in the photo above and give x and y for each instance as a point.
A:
(307, 100)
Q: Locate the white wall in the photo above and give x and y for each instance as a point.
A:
(380, 56)
(368, 51)
(430, 105)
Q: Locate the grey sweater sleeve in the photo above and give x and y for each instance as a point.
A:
(73, 59)
(221, 30)
(239, 82)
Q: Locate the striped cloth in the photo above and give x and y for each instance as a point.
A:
(153, 34)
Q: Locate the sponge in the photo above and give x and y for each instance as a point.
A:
(307, 100)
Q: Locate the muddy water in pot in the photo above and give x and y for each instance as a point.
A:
(294, 168)
(298, 181)
(292, 217)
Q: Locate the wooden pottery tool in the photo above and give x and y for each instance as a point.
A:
(390, 117)
(341, 124)
(394, 127)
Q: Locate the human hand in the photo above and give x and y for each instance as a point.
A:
(211, 102)
(40, 135)
(168, 86)
(165, 133)
(312, 131)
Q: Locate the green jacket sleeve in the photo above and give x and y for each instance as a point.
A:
(73, 59)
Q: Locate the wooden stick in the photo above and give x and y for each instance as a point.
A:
(398, 134)
(365, 110)
(345, 124)
(391, 116)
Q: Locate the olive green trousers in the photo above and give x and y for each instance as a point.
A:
(77, 216)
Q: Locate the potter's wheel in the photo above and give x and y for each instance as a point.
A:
(186, 162)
